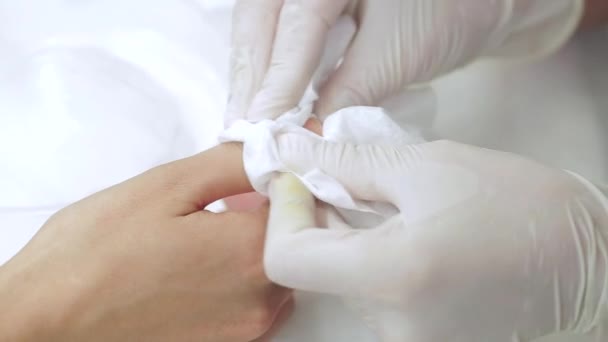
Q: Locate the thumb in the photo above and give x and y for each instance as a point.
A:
(368, 172)
(333, 261)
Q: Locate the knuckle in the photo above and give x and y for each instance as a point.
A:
(63, 218)
(97, 211)
(167, 176)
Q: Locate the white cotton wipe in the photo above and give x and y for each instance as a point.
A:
(365, 125)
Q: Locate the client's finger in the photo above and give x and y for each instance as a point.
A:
(253, 200)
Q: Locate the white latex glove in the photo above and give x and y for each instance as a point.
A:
(277, 46)
(489, 246)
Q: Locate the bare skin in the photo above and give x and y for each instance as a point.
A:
(142, 261)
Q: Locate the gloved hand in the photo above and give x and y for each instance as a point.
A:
(277, 46)
(488, 246)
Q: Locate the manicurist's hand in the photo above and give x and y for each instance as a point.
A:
(142, 261)
(277, 46)
(488, 246)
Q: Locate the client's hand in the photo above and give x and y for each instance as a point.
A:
(142, 261)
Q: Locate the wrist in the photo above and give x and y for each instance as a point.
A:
(26, 315)
(16, 319)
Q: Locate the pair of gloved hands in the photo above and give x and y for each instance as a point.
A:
(488, 246)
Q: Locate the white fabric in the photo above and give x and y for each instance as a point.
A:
(356, 124)
(494, 105)
(94, 92)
